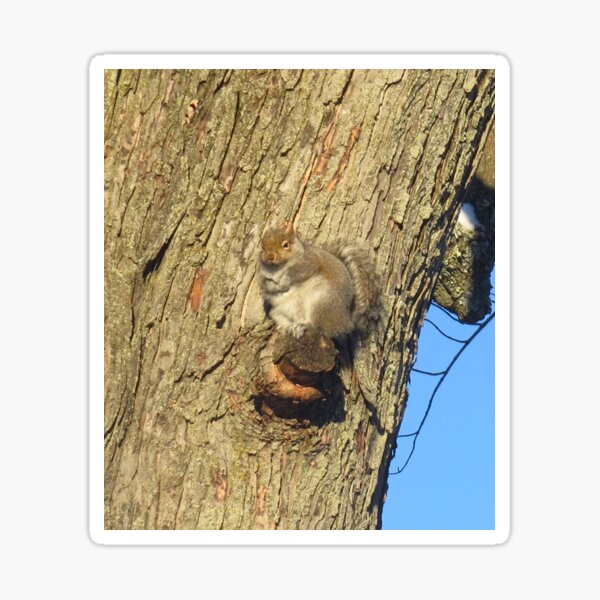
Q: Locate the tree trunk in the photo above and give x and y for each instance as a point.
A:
(197, 165)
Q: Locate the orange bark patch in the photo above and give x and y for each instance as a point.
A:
(195, 295)
(261, 499)
(234, 402)
(220, 481)
(227, 176)
(190, 111)
(345, 159)
(325, 154)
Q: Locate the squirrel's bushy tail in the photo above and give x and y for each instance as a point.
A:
(361, 267)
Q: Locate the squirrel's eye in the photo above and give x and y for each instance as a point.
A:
(285, 245)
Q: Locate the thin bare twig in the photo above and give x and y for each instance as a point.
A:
(444, 333)
(415, 370)
(415, 434)
(449, 314)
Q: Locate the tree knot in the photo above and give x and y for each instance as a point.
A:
(293, 369)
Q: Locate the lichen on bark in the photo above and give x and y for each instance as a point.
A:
(464, 285)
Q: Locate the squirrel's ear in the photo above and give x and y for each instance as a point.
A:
(288, 227)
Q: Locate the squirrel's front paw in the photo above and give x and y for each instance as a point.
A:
(295, 329)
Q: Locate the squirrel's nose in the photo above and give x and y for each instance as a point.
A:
(269, 256)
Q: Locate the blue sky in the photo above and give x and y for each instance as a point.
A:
(449, 481)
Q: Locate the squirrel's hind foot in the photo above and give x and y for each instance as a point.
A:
(295, 330)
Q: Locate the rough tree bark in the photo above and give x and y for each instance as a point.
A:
(197, 165)
(463, 285)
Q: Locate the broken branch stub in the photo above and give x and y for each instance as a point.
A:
(293, 368)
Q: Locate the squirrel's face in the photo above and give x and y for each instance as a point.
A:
(277, 247)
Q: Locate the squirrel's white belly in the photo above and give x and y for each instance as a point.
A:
(297, 304)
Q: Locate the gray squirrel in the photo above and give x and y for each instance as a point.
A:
(334, 291)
